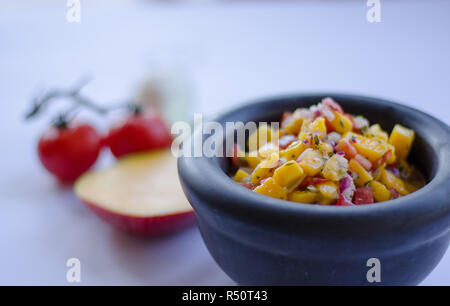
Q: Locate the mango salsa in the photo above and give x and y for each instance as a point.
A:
(328, 157)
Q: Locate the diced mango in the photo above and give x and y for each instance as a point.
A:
(252, 160)
(379, 191)
(293, 124)
(312, 162)
(371, 148)
(318, 126)
(341, 123)
(266, 150)
(392, 157)
(375, 131)
(377, 172)
(260, 137)
(363, 176)
(401, 138)
(391, 181)
(265, 169)
(294, 150)
(335, 168)
(272, 189)
(324, 148)
(410, 187)
(289, 174)
(303, 196)
(240, 175)
(328, 192)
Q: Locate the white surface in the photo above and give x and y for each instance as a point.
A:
(235, 52)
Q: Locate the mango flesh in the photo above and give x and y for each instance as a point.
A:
(139, 185)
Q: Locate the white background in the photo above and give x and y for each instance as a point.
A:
(232, 52)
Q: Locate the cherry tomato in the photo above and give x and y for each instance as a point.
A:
(69, 151)
(363, 195)
(139, 132)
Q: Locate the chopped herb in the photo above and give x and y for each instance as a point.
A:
(341, 123)
(293, 155)
(316, 140)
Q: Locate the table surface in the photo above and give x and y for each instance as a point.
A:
(233, 52)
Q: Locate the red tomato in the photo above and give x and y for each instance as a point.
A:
(308, 181)
(363, 195)
(328, 125)
(139, 132)
(247, 185)
(235, 160)
(363, 161)
(382, 160)
(67, 152)
(346, 147)
(342, 201)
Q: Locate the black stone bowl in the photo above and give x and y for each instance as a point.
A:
(258, 240)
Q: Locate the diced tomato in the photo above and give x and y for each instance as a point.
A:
(342, 201)
(345, 146)
(247, 185)
(363, 161)
(286, 140)
(330, 127)
(363, 195)
(382, 160)
(312, 181)
(235, 160)
(333, 105)
(394, 193)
